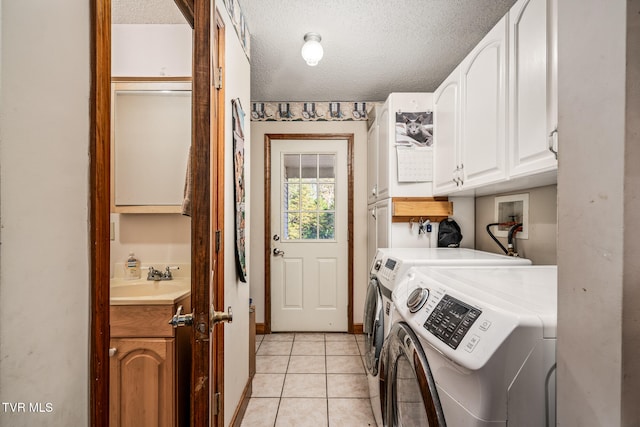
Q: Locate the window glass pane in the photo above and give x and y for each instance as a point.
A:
(327, 199)
(309, 229)
(291, 225)
(326, 225)
(309, 197)
(309, 166)
(291, 197)
(327, 163)
(291, 167)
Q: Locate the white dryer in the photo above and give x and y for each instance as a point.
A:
(387, 269)
(473, 346)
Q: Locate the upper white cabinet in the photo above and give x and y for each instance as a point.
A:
(470, 118)
(151, 135)
(382, 174)
(532, 91)
(483, 75)
(446, 120)
(496, 115)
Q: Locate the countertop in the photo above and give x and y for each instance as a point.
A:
(148, 292)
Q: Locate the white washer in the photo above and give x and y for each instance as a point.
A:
(387, 269)
(473, 346)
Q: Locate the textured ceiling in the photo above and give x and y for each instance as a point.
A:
(145, 12)
(371, 47)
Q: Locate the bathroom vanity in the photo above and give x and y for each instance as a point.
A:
(150, 360)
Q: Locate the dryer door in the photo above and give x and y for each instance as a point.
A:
(373, 327)
(412, 398)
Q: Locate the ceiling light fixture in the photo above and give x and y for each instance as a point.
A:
(312, 49)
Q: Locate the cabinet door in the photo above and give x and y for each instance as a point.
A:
(483, 138)
(372, 163)
(446, 121)
(531, 98)
(383, 223)
(372, 238)
(383, 153)
(142, 384)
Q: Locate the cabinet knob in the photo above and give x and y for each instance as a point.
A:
(112, 351)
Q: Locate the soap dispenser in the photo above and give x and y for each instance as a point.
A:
(132, 267)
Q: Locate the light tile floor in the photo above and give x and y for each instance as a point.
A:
(309, 379)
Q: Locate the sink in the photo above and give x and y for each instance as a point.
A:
(124, 292)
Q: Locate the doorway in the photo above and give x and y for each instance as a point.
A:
(206, 218)
(315, 231)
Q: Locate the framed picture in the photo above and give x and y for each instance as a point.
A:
(239, 189)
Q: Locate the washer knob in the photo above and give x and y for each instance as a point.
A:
(417, 298)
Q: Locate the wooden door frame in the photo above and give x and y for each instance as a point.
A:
(198, 15)
(349, 137)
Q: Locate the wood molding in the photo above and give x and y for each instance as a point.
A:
(261, 329)
(99, 219)
(358, 328)
(241, 409)
(349, 137)
(201, 212)
(217, 219)
(150, 79)
(187, 8)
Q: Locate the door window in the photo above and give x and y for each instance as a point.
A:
(308, 197)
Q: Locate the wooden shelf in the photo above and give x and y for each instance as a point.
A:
(434, 209)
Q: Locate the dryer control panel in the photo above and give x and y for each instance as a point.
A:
(451, 320)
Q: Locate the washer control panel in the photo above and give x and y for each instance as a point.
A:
(388, 269)
(450, 320)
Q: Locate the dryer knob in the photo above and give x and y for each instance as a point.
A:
(417, 298)
(377, 265)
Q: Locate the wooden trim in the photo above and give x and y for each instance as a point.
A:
(99, 189)
(267, 218)
(236, 421)
(218, 197)
(150, 79)
(147, 209)
(358, 328)
(187, 9)
(201, 212)
(261, 329)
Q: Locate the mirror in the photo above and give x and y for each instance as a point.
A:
(150, 137)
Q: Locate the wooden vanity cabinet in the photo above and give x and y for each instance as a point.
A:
(150, 367)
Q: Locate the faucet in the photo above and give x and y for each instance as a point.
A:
(157, 275)
(154, 274)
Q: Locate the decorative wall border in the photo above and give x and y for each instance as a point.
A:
(309, 111)
(240, 24)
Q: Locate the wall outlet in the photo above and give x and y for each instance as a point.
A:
(510, 210)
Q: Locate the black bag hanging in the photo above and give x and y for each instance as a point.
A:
(449, 235)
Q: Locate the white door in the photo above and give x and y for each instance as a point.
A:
(309, 248)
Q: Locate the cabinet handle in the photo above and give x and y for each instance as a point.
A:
(374, 190)
(373, 213)
(112, 351)
(553, 138)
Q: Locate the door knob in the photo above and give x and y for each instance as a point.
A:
(180, 319)
(278, 252)
(221, 316)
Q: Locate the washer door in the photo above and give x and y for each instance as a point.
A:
(373, 326)
(412, 396)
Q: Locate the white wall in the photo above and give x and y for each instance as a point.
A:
(151, 50)
(236, 338)
(145, 50)
(44, 256)
(359, 129)
(598, 296)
